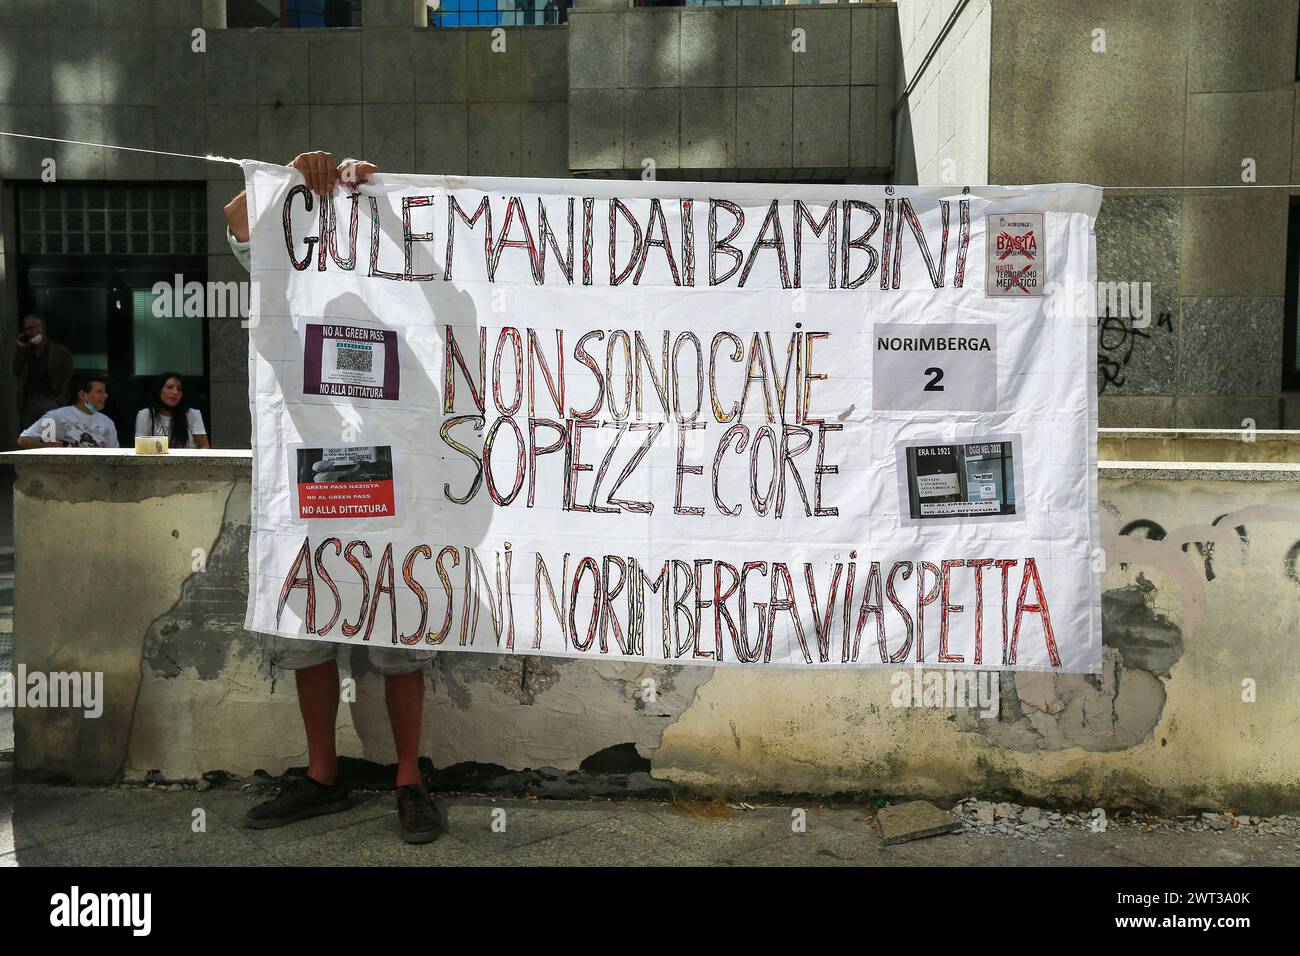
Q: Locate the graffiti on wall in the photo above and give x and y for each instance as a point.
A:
(1145, 542)
(1117, 339)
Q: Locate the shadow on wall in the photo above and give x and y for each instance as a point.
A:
(905, 172)
(501, 710)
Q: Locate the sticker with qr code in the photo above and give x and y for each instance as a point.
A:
(347, 361)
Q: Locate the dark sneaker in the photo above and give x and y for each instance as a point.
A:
(299, 799)
(418, 815)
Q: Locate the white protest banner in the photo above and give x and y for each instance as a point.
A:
(810, 426)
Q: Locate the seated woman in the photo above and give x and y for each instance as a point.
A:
(168, 415)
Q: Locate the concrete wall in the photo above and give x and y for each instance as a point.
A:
(1200, 594)
(1013, 93)
(1022, 91)
(767, 93)
(942, 126)
(1184, 92)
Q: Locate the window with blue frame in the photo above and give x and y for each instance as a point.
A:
(500, 13)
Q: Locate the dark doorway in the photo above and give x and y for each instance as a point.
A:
(90, 260)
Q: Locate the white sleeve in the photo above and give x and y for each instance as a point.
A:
(243, 250)
(195, 420)
(34, 429)
(142, 422)
(112, 436)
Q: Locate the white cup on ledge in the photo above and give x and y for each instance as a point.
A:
(151, 444)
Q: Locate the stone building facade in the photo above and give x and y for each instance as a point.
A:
(1180, 93)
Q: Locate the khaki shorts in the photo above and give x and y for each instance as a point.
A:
(293, 654)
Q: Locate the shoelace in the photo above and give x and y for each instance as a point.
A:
(291, 789)
(416, 806)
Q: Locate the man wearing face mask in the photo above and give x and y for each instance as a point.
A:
(43, 370)
(82, 424)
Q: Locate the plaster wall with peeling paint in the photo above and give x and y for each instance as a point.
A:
(1201, 602)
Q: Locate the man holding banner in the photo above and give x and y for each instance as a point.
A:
(723, 424)
(315, 663)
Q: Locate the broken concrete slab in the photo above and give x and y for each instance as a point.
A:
(913, 821)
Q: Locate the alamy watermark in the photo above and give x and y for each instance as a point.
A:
(198, 300)
(78, 909)
(77, 690)
(1120, 300)
(947, 689)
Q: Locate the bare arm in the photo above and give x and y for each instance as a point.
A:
(237, 216)
(26, 441)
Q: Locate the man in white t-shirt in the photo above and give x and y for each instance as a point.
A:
(82, 424)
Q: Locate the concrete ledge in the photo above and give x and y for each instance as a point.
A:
(124, 456)
(1232, 434)
(1199, 471)
(1198, 444)
(1198, 595)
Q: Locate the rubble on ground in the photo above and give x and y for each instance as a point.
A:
(994, 818)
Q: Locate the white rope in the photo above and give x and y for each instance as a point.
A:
(134, 149)
(226, 159)
(1242, 186)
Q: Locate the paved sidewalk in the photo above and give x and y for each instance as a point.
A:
(74, 826)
